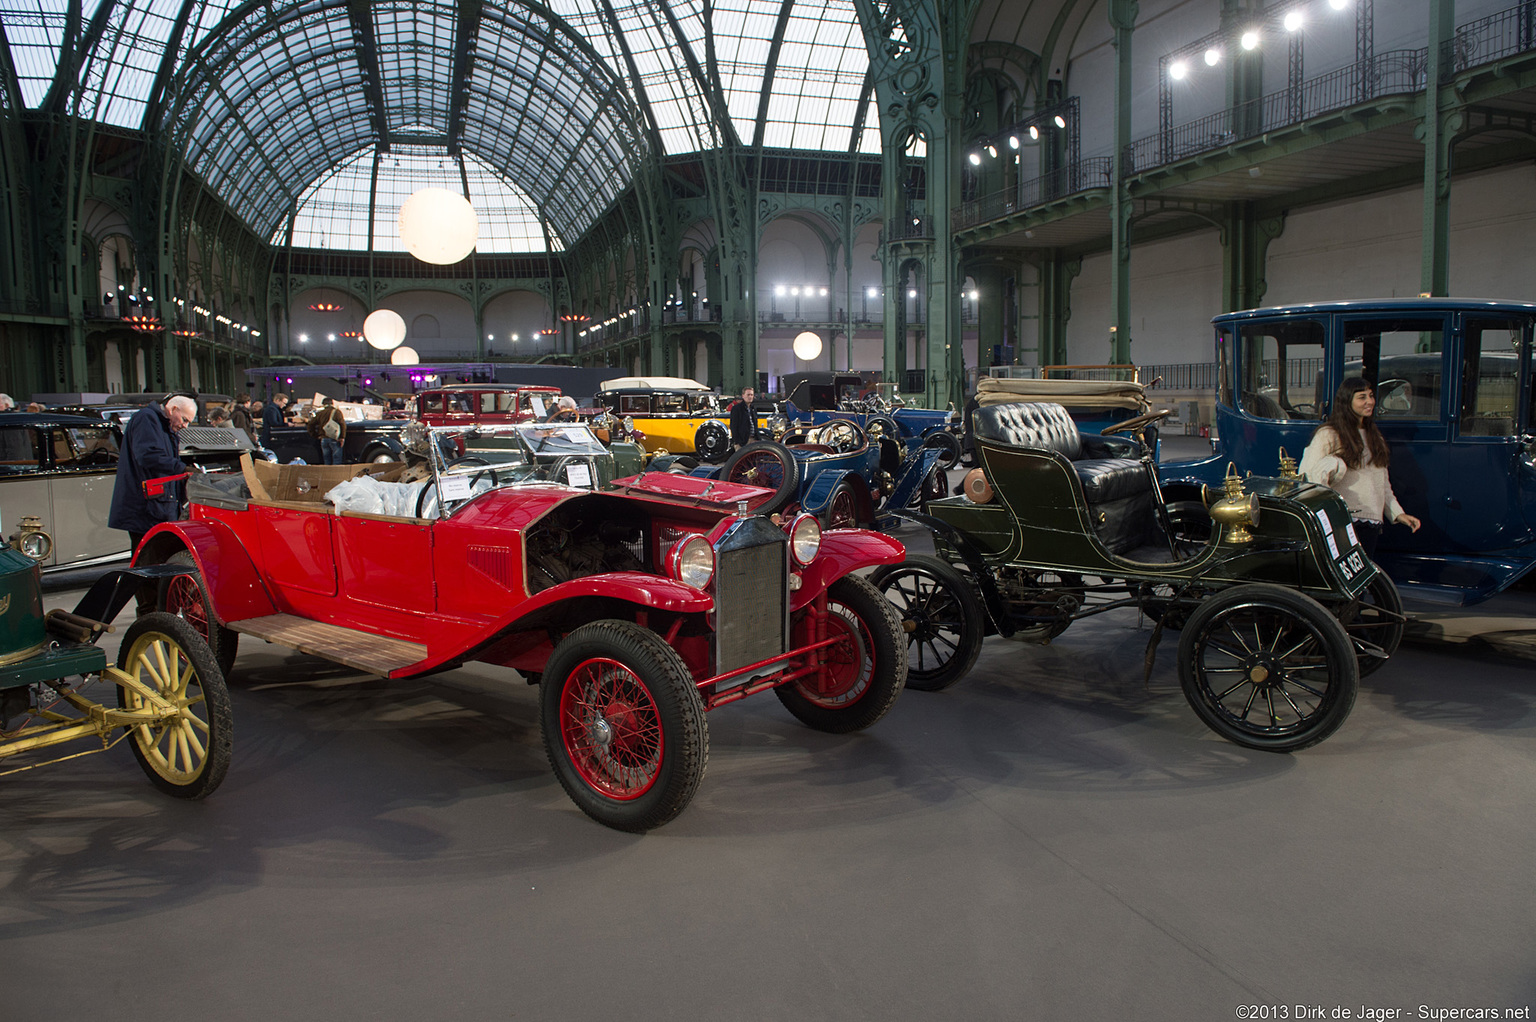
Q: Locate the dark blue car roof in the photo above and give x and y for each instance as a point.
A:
(1409, 305)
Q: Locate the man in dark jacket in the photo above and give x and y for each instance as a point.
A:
(272, 418)
(149, 451)
(743, 422)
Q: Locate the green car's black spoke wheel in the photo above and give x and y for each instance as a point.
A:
(1268, 667)
(940, 615)
(1376, 619)
(623, 725)
(188, 754)
(865, 671)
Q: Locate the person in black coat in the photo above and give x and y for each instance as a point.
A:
(149, 451)
(743, 421)
(272, 418)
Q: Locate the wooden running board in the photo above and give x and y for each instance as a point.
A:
(376, 654)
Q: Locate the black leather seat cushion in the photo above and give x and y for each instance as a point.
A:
(1038, 424)
(1117, 489)
(1107, 479)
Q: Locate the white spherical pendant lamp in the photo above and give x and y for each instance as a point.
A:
(405, 357)
(438, 226)
(384, 329)
(807, 346)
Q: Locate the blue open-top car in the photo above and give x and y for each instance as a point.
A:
(1454, 401)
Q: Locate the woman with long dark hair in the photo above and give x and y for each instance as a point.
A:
(1349, 454)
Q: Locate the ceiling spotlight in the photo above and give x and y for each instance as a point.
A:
(1059, 121)
(1177, 70)
(1212, 57)
(1293, 21)
(992, 151)
(1013, 141)
(1338, 5)
(1250, 39)
(1034, 133)
(975, 159)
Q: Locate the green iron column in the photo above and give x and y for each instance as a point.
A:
(1245, 251)
(1056, 276)
(1122, 18)
(1442, 119)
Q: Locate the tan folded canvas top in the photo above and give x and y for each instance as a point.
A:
(1068, 393)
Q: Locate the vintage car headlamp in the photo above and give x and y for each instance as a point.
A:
(629, 423)
(1237, 510)
(692, 561)
(31, 540)
(804, 539)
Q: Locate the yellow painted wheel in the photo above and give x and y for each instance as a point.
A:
(187, 755)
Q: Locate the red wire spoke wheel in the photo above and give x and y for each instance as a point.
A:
(623, 725)
(186, 596)
(866, 668)
(611, 728)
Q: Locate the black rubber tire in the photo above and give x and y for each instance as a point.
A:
(380, 456)
(940, 615)
(948, 445)
(1190, 525)
(653, 673)
(1280, 634)
(421, 500)
(841, 511)
(874, 649)
(176, 598)
(206, 718)
(712, 442)
(755, 458)
(935, 487)
(1376, 617)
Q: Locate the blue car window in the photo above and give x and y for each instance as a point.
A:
(1402, 359)
(1282, 369)
(1490, 387)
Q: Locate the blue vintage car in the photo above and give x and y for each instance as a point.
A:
(818, 397)
(836, 471)
(1454, 400)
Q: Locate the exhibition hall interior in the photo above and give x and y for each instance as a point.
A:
(760, 509)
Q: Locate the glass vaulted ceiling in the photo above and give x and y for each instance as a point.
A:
(286, 107)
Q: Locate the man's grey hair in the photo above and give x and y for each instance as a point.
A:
(185, 403)
(567, 402)
(7, 402)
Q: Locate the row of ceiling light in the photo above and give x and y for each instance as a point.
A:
(1249, 39)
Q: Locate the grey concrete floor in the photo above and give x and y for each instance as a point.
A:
(1048, 839)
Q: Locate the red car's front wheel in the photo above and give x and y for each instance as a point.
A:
(623, 725)
(863, 671)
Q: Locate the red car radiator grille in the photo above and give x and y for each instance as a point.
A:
(751, 595)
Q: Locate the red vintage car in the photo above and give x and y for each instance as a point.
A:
(635, 609)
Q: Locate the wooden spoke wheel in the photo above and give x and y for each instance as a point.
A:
(187, 755)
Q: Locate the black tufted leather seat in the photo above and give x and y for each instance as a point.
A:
(1117, 489)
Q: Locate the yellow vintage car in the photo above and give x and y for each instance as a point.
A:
(675, 415)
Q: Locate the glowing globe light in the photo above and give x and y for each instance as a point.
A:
(807, 346)
(404, 357)
(384, 329)
(438, 226)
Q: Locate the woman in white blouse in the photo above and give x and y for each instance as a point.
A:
(1349, 454)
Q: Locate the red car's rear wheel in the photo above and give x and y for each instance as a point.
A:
(623, 725)
(187, 597)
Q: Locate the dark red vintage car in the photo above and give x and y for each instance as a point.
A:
(635, 609)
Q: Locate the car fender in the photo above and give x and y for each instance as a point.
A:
(842, 553)
(815, 497)
(234, 585)
(652, 592)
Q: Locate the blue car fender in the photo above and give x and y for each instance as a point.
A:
(817, 494)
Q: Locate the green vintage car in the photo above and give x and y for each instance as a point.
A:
(167, 695)
(1279, 608)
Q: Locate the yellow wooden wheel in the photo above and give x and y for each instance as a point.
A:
(187, 753)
